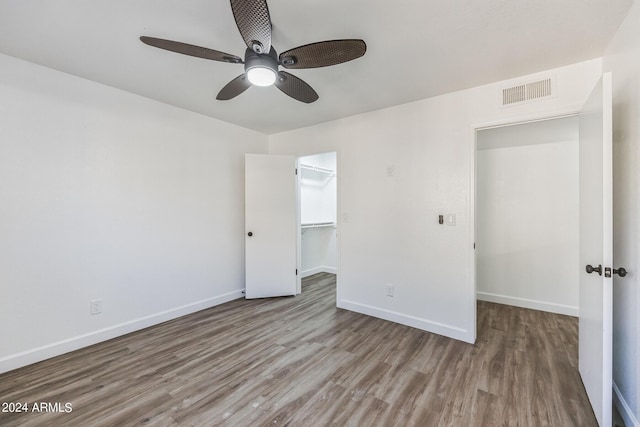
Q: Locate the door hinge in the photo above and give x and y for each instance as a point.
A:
(607, 272)
(296, 171)
(474, 246)
(296, 271)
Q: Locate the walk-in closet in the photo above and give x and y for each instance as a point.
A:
(318, 205)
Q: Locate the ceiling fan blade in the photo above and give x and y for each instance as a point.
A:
(254, 23)
(234, 88)
(189, 49)
(295, 87)
(323, 54)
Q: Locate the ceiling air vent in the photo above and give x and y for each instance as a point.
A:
(527, 92)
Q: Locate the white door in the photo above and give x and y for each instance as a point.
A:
(270, 225)
(596, 249)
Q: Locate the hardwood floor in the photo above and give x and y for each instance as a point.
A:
(299, 361)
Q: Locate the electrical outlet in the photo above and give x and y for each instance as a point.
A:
(390, 289)
(95, 306)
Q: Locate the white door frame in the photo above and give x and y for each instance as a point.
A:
(475, 128)
(299, 221)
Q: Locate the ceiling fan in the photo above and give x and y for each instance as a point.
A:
(261, 60)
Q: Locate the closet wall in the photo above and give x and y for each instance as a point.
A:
(318, 197)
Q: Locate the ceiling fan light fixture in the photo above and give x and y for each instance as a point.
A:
(261, 69)
(261, 76)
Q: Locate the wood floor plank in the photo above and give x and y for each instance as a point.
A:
(300, 361)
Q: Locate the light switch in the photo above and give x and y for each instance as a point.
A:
(451, 219)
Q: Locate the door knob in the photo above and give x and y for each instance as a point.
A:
(620, 271)
(590, 269)
(250, 234)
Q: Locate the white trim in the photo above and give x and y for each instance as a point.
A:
(544, 119)
(551, 307)
(413, 321)
(322, 269)
(538, 116)
(623, 407)
(316, 270)
(28, 357)
(528, 118)
(299, 227)
(338, 224)
(484, 125)
(471, 206)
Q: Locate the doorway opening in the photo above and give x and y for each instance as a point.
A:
(317, 216)
(527, 215)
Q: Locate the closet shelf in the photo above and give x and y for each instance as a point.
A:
(318, 224)
(312, 168)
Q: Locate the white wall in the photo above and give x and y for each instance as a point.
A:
(107, 195)
(623, 59)
(388, 230)
(527, 215)
(318, 198)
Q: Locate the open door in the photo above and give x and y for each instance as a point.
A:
(596, 250)
(270, 226)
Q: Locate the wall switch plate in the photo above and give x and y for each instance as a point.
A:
(390, 290)
(95, 306)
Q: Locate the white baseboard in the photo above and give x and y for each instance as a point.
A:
(623, 407)
(529, 303)
(316, 270)
(48, 351)
(408, 320)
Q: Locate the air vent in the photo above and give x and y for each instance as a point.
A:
(514, 94)
(527, 92)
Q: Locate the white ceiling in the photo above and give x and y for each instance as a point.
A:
(416, 49)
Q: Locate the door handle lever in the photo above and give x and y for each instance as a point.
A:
(620, 271)
(590, 269)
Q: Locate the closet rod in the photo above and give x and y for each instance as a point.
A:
(317, 169)
(318, 224)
